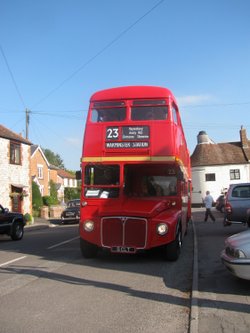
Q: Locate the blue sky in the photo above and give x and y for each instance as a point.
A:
(56, 53)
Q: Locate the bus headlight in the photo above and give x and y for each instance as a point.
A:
(88, 225)
(162, 229)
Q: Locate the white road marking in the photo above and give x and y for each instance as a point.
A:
(59, 244)
(11, 261)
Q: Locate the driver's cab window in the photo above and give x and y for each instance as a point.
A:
(102, 181)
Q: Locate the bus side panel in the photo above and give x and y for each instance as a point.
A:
(93, 140)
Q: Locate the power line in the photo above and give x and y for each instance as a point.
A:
(119, 36)
(12, 77)
(213, 105)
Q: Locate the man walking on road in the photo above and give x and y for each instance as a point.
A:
(208, 202)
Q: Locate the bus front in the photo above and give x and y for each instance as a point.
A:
(134, 180)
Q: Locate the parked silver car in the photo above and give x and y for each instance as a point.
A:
(236, 255)
(237, 204)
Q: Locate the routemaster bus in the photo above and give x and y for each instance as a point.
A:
(135, 172)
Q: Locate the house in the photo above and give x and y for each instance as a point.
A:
(40, 171)
(15, 181)
(216, 165)
(67, 178)
(63, 179)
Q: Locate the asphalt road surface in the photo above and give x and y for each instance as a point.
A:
(46, 286)
(223, 300)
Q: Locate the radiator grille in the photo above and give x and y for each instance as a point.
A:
(124, 231)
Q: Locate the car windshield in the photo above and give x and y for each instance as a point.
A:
(73, 204)
(241, 191)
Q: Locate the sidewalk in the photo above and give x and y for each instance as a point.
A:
(39, 223)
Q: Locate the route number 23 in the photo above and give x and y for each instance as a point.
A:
(112, 133)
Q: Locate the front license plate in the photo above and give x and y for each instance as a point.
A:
(69, 214)
(123, 249)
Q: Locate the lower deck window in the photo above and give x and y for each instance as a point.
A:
(139, 180)
(102, 181)
(149, 181)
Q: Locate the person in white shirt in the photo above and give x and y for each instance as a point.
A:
(208, 202)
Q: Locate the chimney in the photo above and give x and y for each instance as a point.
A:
(203, 138)
(243, 137)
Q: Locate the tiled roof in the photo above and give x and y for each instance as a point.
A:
(64, 174)
(33, 149)
(8, 134)
(219, 154)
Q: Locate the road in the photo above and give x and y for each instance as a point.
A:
(222, 301)
(46, 286)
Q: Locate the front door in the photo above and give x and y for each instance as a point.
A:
(16, 199)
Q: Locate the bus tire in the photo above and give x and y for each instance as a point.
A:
(88, 250)
(173, 249)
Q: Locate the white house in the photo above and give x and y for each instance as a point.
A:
(15, 181)
(215, 166)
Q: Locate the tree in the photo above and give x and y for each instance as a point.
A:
(53, 193)
(53, 158)
(71, 193)
(37, 200)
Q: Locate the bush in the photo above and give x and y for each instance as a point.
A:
(36, 213)
(48, 200)
(71, 193)
(53, 193)
(37, 201)
(28, 218)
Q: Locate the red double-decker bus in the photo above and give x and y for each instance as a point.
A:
(136, 181)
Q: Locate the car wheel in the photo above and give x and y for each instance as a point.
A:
(172, 250)
(17, 231)
(88, 250)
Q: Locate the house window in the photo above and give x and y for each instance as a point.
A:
(15, 153)
(40, 171)
(234, 174)
(210, 177)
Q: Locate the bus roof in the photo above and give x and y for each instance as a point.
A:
(132, 92)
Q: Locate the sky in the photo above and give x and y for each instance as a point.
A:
(54, 54)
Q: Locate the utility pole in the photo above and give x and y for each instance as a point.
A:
(27, 112)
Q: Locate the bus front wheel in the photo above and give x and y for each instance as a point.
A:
(88, 250)
(173, 249)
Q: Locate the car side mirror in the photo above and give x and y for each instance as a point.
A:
(6, 210)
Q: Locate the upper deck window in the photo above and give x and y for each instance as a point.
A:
(149, 110)
(108, 111)
(149, 113)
